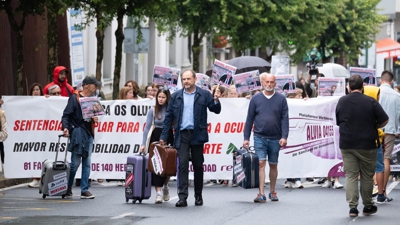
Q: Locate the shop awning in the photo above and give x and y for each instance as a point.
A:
(388, 48)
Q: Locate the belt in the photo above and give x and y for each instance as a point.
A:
(187, 130)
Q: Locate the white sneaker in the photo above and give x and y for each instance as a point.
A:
(375, 191)
(288, 184)
(119, 183)
(158, 199)
(337, 185)
(166, 193)
(327, 184)
(298, 184)
(34, 184)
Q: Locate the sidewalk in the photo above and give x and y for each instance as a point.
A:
(4, 182)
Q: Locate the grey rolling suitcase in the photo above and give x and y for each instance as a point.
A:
(55, 174)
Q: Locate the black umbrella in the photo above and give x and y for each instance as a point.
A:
(249, 63)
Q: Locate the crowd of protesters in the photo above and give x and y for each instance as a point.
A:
(386, 115)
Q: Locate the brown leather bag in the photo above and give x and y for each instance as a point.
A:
(162, 159)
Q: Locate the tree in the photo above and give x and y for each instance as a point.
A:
(95, 10)
(293, 27)
(17, 11)
(53, 8)
(196, 18)
(138, 10)
(355, 29)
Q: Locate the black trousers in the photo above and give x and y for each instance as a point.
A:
(197, 161)
(2, 152)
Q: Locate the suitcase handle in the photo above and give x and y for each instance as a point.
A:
(249, 149)
(59, 165)
(166, 146)
(56, 164)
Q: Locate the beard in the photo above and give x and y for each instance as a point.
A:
(269, 88)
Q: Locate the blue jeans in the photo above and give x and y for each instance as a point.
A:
(380, 167)
(267, 148)
(76, 162)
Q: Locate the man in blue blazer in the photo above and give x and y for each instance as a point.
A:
(188, 110)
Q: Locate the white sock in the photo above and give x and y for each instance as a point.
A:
(159, 193)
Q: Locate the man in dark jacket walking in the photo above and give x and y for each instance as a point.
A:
(358, 117)
(81, 135)
(188, 109)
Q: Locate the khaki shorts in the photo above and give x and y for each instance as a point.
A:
(389, 144)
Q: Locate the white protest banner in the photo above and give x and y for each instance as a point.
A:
(35, 124)
(313, 144)
(119, 134)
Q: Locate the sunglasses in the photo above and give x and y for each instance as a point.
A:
(55, 93)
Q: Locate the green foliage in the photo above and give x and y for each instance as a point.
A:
(355, 29)
(196, 18)
(297, 26)
(93, 9)
(292, 26)
(138, 11)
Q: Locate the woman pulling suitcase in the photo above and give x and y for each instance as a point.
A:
(155, 118)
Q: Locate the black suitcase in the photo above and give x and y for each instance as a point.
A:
(246, 168)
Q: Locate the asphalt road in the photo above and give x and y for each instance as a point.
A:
(222, 205)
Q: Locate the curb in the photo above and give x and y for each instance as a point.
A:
(11, 182)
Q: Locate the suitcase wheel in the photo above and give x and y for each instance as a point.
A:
(140, 201)
(63, 196)
(40, 192)
(43, 196)
(127, 200)
(134, 201)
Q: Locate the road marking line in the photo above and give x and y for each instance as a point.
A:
(173, 198)
(24, 208)
(7, 218)
(121, 216)
(391, 186)
(15, 186)
(388, 190)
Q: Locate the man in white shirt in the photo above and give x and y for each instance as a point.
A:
(390, 102)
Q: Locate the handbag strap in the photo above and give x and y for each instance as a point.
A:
(154, 116)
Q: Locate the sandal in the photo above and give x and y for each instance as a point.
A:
(225, 183)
